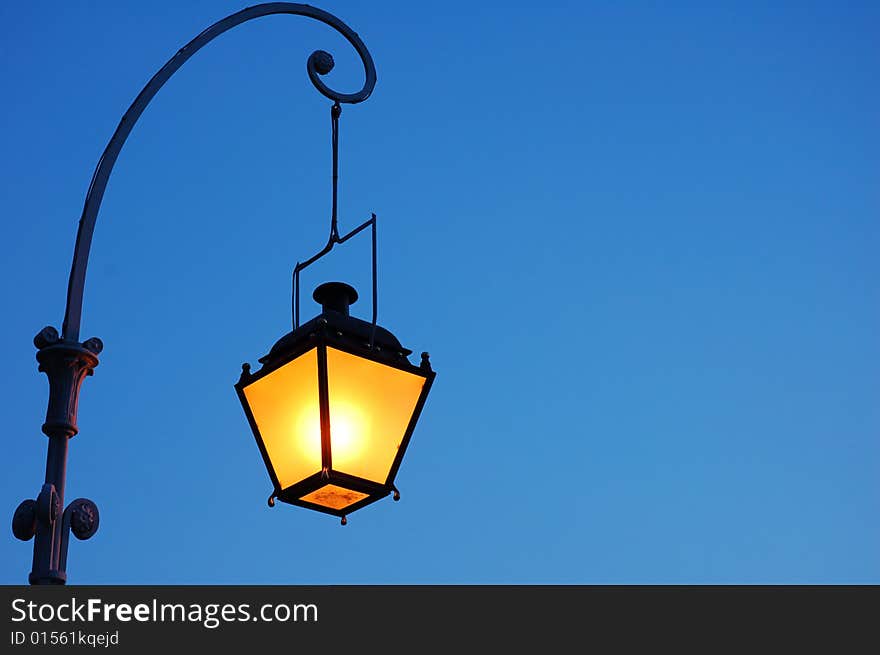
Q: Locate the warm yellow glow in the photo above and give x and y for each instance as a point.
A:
(370, 408)
(285, 407)
(334, 497)
(346, 428)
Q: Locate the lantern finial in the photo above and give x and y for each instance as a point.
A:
(335, 297)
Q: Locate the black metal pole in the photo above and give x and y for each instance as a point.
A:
(66, 364)
(66, 361)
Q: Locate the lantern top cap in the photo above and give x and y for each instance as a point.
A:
(335, 296)
(336, 324)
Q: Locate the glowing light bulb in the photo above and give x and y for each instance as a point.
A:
(348, 433)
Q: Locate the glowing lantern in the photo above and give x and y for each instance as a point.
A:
(333, 408)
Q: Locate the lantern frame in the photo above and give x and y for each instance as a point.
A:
(337, 330)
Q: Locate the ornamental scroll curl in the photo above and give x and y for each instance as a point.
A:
(319, 63)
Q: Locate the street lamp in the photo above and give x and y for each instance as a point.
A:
(335, 402)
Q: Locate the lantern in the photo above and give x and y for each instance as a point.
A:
(333, 408)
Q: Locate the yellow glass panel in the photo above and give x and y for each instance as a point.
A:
(370, 407)
(285, 407)
(334, 497)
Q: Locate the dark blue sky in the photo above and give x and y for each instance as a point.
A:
(639, 240)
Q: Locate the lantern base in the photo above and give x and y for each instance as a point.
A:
(334, 493)
(334, 496)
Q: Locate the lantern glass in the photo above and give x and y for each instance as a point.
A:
(285, 406)
(371, 405)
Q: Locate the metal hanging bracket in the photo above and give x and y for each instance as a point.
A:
(335, 113)
(334, 239)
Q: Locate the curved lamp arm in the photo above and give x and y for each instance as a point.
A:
(319, 63)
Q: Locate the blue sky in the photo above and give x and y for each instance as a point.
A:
(639, 240)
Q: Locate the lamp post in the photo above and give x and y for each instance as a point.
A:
(337, 392)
